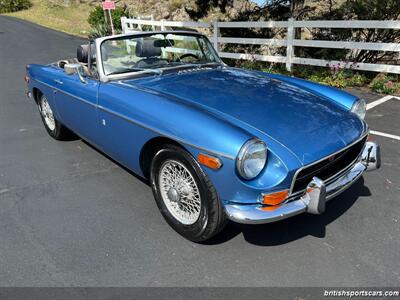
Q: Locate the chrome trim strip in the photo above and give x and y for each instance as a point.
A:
(220, 154)
(164, 134)
(68, 94)
(325, 157)
(79, 98)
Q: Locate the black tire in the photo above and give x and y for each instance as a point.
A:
(212, 217)
(59, 132)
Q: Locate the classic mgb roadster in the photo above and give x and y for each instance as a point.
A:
(215, 142)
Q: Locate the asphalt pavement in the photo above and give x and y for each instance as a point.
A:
(69, 216)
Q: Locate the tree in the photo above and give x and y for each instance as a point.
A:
(359, 10)
(200, 8)
(277, 9)
(299, 9)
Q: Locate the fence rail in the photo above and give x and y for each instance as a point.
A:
(289, 42)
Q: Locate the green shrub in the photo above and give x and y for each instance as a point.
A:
(344, 78)
(386, 84)
(7, 6)
(335, 75)
(99, 30)
(96, 17)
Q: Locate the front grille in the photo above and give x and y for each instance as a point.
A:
(329, 166)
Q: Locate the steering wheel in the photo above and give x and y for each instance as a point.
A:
(149, 61)
(187, 55)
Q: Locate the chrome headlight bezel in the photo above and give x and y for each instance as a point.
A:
(244, 155)
(359, 108)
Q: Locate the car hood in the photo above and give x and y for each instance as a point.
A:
(310, 126)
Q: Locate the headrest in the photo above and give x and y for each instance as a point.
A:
(82, 53)
(146, 48)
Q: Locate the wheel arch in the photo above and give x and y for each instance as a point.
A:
(36, 93)
(150, 149)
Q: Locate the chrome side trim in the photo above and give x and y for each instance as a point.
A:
(216, 153)
(321, 159)
(164, 134)
(66, 93)
(79, 98)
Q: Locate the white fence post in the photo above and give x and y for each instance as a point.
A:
(289, 47)
(162, 25)
(152, 19)
(123, 24)
(216, 31)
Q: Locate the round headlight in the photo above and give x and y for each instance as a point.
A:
(251, 159)
(359, 108)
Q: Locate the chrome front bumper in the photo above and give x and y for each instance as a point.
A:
(314, 199)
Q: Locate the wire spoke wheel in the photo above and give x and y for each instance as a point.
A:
(47, 113)
(179, 192)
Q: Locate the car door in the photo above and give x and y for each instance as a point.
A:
(76, 104)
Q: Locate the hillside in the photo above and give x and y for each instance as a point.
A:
(57, 15)
(71, 15)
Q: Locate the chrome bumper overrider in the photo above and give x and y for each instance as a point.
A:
(314, 199)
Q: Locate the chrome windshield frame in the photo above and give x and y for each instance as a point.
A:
(99, 41)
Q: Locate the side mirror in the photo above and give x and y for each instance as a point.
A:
(70, 69)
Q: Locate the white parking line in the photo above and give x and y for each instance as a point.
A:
(391, 136)
(376, 103)
(380, 101)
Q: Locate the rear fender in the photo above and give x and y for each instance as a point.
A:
(41, 78)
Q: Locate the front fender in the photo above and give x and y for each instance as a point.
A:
(341, 97)
(170, 117)
(198, 130)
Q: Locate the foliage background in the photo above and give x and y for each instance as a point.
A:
(7, 6)
(86, 18)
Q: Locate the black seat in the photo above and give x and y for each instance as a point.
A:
(150, 53)
(82, 53)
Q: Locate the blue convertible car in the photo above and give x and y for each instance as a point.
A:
(215, 142)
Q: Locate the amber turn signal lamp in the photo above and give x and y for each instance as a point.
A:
(275, 198)
(209, 161)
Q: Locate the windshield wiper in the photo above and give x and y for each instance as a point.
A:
(192, 65)
(210, 64)
(141, 70)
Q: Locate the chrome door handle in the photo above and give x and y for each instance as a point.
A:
(58, 81)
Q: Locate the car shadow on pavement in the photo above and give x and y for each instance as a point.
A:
(297, 227)
(143, 180)
(285, 231)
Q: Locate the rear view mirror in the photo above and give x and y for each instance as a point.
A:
(71, 69)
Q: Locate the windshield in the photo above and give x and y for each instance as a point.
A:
(153, 53)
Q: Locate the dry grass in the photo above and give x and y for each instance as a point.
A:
(71, 19)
